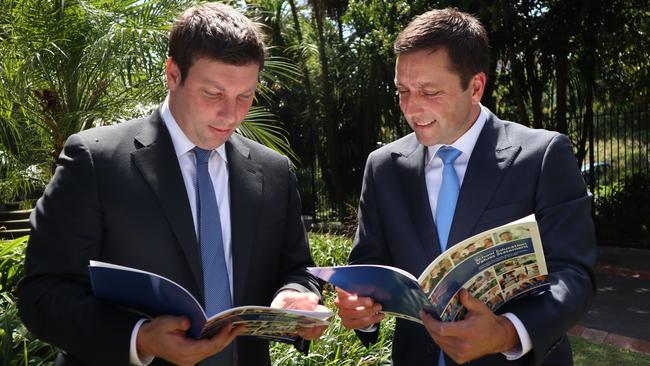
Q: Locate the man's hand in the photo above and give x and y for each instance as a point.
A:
(164, 337)
(480, 333)
(289, 299)
(357, 312)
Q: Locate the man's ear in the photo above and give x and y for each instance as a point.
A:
(173, 74)
(477, 87)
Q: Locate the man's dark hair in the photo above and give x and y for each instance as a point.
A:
(215, 31)
(462, 35)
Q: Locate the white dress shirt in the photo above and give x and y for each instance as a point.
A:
(218, 170)
(433, 176)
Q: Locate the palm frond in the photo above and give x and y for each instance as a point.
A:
(262, 126)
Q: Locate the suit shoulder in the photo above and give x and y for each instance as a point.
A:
(112, 134)
(532, 139)
(257, 151)
(520, 133)
(404, 145)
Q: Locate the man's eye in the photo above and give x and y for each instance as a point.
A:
(213, 95)
(428, 93)
(401, 92)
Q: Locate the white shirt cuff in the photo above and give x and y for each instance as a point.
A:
(369, 329)
(524, 339)
(134, 357)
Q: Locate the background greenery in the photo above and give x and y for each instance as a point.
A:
(70, 65)
(337, 347)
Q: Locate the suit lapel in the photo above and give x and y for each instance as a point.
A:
(491, 156)
(157, 161)
(246, 183)
(409, 163)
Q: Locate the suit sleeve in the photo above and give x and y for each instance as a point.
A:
(563, 212)
(54, 298)
(296, 256)
(369, 245)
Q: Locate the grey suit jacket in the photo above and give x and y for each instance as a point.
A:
(118, 196)
(513, 171)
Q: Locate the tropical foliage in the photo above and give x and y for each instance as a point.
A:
(337, 347)
(554, 63)
(66, 66)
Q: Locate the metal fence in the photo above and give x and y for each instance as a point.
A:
(619, 149)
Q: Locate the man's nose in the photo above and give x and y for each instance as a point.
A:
(227, 111)
(411, 105)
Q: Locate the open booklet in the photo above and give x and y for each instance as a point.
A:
(495, 266)
(155, 295)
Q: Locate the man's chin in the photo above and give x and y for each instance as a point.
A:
(427, 140)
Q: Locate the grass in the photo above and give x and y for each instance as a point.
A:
(337, 347)
(586, 353)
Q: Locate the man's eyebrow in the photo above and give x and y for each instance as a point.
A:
(213, 84)
(424, 84)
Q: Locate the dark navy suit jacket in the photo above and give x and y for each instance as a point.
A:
(118, 196)
(513, 171)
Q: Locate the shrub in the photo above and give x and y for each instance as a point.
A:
(17, 345)
(338, 346)
(623, 212)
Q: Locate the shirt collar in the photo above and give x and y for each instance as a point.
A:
(182, 144)
(466, 142)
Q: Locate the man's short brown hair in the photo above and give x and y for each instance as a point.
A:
(462, 35)
(215, 31)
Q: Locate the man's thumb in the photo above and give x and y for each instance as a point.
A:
(471, 303)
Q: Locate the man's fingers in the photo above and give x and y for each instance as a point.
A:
(171, 323)
(289, 299)
(471, 303)
(223, 338)
(360, 323)
(342, 292)
(438, 329)
(322, 308)
(359, 311)
(311, 333)
(235, 332)
(350, 301)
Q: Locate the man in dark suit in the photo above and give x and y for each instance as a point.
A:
(131, 194)
(502, 171)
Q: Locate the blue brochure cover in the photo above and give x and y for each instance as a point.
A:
(155, 295)
(397, 291)
(495, 266)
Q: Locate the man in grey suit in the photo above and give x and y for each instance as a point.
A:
(503, 171)
(131, 194)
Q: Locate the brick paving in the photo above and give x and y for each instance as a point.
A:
(605, 337)
(616, 340)
(623, 272)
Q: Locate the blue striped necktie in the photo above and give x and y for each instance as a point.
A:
(216, 285)
(446, 204)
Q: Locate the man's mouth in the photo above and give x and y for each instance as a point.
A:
(424, 124)
(220, 130)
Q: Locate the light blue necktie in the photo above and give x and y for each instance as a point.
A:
(448, 194)
(216, 285)
(446, 205)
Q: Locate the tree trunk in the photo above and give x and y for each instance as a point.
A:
(488, 96)
(535, 86)
(329, 108)
(312, 113)
(561, 77)
(590, 40)
(519, 88)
